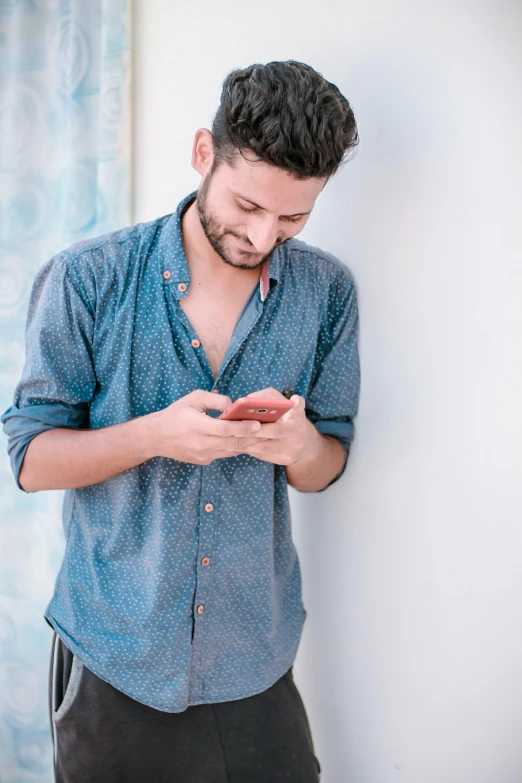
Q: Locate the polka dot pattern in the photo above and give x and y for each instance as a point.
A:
(180, 583)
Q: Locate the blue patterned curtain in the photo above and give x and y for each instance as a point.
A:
(65, 137)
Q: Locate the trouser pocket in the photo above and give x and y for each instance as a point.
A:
(66, 678)
(66, 671)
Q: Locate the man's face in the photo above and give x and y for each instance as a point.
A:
(240, 232)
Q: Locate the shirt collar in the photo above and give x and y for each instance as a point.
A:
(173, 261)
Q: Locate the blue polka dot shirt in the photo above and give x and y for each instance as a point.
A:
(180, 583)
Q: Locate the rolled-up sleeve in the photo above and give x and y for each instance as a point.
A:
(333, 399)
(58, 379)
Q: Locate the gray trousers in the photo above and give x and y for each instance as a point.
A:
(101, 735)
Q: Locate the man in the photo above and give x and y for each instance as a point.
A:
(177, 611)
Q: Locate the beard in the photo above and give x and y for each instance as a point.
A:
(215, 234)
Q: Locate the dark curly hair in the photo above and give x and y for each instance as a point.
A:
(287, 115)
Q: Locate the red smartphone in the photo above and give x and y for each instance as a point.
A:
(267, 410)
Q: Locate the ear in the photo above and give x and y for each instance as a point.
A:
(202, 151)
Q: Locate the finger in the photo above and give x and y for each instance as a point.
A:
(299, 403)
(238, 445)
(274, 430)
(266, 449)
(208, 401)
(238, 429)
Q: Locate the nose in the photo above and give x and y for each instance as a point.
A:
(263, 234)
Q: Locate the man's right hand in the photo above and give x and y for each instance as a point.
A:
(64, 458)
(184, 432)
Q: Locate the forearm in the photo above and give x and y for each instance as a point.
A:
(322, 461)
(67, 458)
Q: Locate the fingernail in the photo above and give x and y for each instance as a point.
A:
(256, 425)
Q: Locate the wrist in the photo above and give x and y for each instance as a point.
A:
(149, 433)
(313, 445)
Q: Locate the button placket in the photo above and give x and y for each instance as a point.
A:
(198, 351)
(208, 519)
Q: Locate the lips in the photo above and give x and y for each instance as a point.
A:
(247, 249)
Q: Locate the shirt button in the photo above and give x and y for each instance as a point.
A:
(166, 274)
(209, 507)
(195, 343)
(205, 561)
(215, 391)
(200, 609)
(182, 286)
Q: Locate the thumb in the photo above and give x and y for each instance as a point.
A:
(208, 401)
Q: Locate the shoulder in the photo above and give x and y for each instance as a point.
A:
(317, 265)
(93, 265)
(114, 246)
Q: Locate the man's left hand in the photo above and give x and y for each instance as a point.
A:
(292, 438)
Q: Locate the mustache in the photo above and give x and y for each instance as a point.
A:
(238, 236)
(248, 242)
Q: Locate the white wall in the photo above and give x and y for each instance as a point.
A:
(411, 660)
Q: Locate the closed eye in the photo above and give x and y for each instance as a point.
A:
(288, 219)
(244, 209)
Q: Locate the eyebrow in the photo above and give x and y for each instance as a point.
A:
(296, 214)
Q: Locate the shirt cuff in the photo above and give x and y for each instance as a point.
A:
(344, 432)
(336, 478)
(21, 425)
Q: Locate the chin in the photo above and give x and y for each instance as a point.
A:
(247, 256)
(243, 256)
(245, 263)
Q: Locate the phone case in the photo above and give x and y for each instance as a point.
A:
(266, 410)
